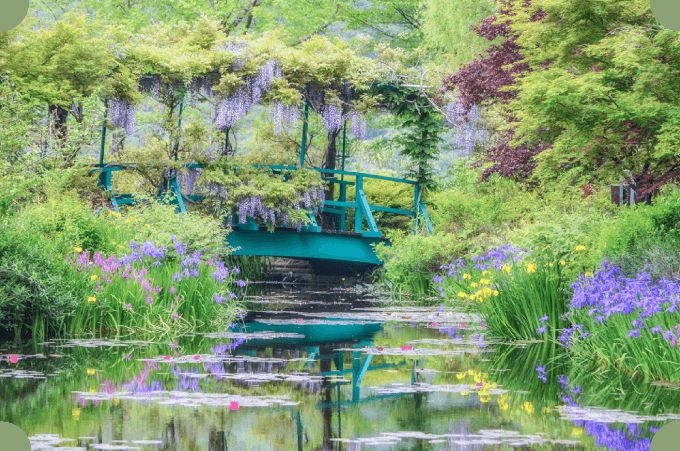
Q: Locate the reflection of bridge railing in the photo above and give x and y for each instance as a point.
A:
(341, 207)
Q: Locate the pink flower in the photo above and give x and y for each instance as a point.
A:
(149, 300)
(407, 348)
(380, 349)
(166, 357)
(299, 320)
(13, 359)
(172, 290)
(127, 307)
(197, 357)
(233, 405)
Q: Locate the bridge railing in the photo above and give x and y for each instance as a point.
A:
(362, 208)
(342, 207)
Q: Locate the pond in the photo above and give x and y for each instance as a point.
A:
(323, 368)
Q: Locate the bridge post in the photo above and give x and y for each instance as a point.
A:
(358, 218)
(103, 177)
(416, 207)
(343, 188)
(343, 209)
(303, 143)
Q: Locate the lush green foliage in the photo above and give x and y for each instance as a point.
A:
(411, 260)
(422, 126)
(42, 287)
(592, 94)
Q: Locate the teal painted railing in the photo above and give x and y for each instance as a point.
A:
(364, 221)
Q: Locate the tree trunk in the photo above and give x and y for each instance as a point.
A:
(330, 221)
(331, 159)
(59, 116)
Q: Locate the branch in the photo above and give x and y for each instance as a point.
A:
(245, 13)
(389, 35)
(322, 28)
(409, 18)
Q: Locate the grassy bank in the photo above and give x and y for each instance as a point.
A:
(68, 268)
(565, 267)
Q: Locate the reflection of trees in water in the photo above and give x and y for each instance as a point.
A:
(325, 360)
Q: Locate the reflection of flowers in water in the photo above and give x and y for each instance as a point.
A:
(630, 439)
(611, 438)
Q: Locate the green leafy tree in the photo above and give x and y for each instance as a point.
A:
(61, 66)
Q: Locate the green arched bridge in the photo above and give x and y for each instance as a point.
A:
(312, 242)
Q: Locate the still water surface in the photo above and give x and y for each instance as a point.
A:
(323, 369)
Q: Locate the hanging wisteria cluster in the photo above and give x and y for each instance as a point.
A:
(256, 208)
(187, 181)
(201, 86)
(467, 126)
(285, 117)
(121, 114)
(359, 126)
(150, 85)
(332, 117)
(234, 107)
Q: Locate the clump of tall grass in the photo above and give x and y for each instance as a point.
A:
(155, 289)
(519, 297)
(531, 303)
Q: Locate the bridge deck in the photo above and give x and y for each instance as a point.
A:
(289, 243)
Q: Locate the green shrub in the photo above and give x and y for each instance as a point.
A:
(158, 222)
(38, 288)
(41, 290)
(411, 260)
(643, 238)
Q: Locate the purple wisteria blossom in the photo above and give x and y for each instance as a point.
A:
(285, 117)
(121, 114)
(467, 125)
(256, 208)
(359, 125)
(332, 117)
(234, 107)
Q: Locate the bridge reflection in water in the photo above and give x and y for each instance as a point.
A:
(337, 345)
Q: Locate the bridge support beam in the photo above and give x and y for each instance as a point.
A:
(305, 245)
